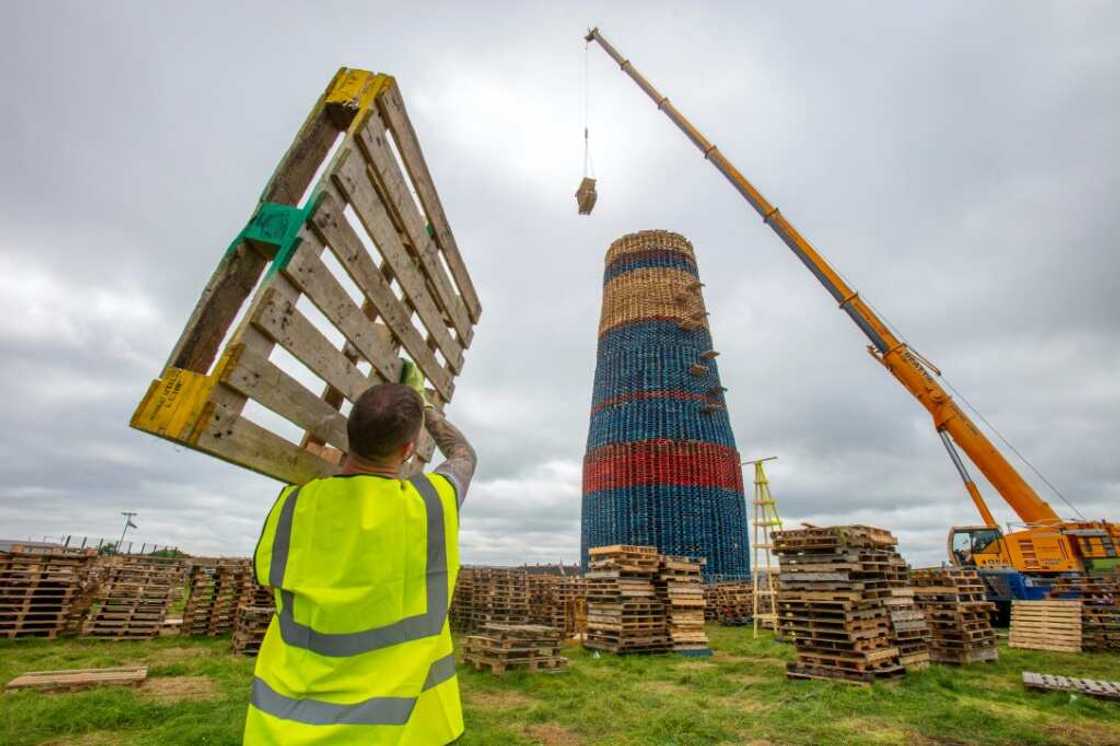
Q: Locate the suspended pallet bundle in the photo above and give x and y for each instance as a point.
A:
(345, 280)
(586, 196)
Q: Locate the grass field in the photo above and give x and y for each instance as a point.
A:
(197, 689)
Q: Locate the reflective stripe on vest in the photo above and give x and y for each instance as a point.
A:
(373, 711)
(429, 623)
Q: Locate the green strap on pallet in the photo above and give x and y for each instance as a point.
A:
(279, 225)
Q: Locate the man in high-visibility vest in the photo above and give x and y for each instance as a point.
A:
(363, 566)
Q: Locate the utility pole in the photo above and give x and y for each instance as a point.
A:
(128, 516)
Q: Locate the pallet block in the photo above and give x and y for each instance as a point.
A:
(368, 229)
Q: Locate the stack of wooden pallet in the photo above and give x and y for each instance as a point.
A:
(623, 612)
(490, 595)
(833, 585)
(1046, 625)
(545, 604)
(132, 601)
(1100, 608)
(558, 601)
(734, 602)
(953, 601)
(214, 588)
(503, 647)
(910, 632)
(255, 608)
(680, 589)
(710, 602)
(39, 591)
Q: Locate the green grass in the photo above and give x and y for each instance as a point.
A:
(739, 696)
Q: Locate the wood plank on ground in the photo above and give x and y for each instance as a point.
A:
(80, 678)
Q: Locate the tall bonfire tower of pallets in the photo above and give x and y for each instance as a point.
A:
(661, 468)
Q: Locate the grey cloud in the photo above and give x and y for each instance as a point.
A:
(956, 161)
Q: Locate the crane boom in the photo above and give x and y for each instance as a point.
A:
(950, 421)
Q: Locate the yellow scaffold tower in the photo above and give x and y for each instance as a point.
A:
(763, 568)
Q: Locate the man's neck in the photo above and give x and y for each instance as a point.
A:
(355, 464)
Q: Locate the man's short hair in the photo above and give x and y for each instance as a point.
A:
(384, 418)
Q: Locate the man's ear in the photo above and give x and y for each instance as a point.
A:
(407, 450)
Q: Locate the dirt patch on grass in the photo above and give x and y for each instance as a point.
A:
(881, 730)
(695, 666)
(742, 704)
(175, 655)
(499, 700)
(746, 679)
(662, 687)
(550, 734)
(97, 738)
(180, 688)
(1085, 734)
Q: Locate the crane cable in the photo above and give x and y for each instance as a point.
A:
(980, 415)
(588, 166)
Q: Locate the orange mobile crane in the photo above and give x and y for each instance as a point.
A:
(1046, 544)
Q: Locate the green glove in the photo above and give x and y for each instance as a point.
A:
(413, 378)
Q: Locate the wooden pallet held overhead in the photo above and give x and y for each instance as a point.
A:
(366, 257)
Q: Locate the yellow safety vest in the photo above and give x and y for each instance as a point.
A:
(363, 569)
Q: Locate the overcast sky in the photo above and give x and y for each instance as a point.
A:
(958, 162)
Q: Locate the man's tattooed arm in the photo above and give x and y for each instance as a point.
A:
(460, 457)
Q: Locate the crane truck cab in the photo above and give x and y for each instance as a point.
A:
(986, 549)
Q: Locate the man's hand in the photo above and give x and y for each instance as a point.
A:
(414, 379)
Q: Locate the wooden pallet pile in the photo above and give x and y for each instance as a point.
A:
(545, 606)
(680, 588)
(959, 617)
(132, 601)
(1100, 608)
(832, 588)
(733, 602)
(505, 647)
(910, 631)
(1051, 624)
(624, 614)
(709, 602)
(255, 608)
(490, 595)
(40, 591)
(558, 601)
(214, 588)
